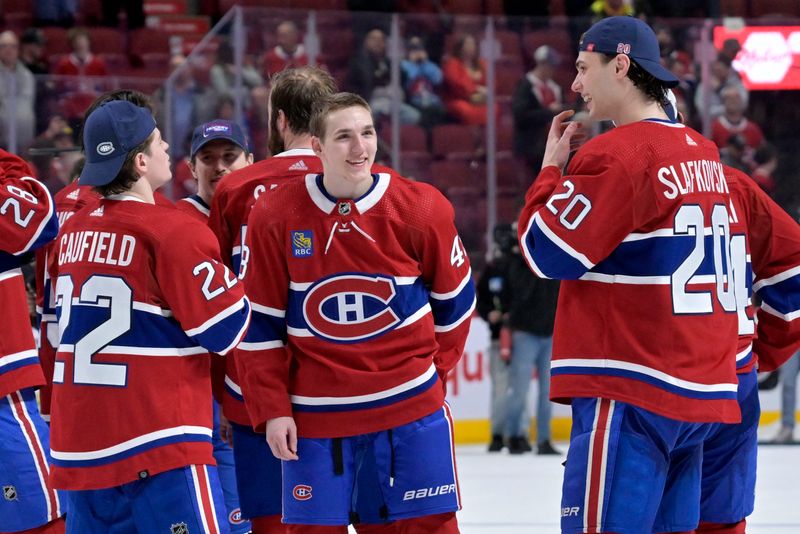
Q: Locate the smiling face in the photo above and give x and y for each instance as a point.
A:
(596, 83)
(347, 150)
(213, 161)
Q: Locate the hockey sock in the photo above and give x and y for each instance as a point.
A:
(722, 528)
(268, 524)
(53, 527)
(434, 524)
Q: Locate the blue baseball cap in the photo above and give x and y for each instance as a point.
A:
(218, 129)
(110, 132)
(632, 37)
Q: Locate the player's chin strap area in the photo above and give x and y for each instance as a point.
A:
(345, 228)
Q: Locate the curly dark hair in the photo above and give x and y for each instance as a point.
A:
(653, 88)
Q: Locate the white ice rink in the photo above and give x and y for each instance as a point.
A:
(504, 494)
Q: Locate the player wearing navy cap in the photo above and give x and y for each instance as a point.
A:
(219, 147)
(141, 299)
(645, 338)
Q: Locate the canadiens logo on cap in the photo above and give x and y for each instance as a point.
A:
(104, 149)
(590, 47)
(302, 243)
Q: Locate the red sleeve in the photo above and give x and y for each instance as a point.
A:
(775, 254)
(446, 270)
(263, 360)
(27, 214)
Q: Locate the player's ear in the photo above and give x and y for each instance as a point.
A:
(622, 63)
(316, 146)
(140, 164)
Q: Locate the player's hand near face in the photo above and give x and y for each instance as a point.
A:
(559, 140)
(282, 438)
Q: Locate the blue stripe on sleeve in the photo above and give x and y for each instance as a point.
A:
(448, 311)
(551, 259)
(265, 327)
(784, 296)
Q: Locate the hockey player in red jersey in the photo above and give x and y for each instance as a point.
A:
(645, 337)
(69, 200)
(27, 222)
(364, 311)
(293, 92)
(135, 335)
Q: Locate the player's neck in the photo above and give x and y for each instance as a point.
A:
(639, 109)
(293, 142)
(142, 189)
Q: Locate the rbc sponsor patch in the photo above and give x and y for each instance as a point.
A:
(302, 492)
(302, 243)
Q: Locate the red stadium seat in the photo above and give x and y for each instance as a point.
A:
(107, 41)
(765, 8)
(451, 173)
(413, 138)
(456, 141)
(416, 165)
(74, 105)
(148, 41)
(55, 41)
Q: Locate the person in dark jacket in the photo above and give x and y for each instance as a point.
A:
(531, 316)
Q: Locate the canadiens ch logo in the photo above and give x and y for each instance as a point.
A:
(10, 493)
(180, 528)
(235, 517)
(301, 492)
(350, 307)
(302, 243)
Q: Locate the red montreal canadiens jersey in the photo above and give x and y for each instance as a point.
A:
(27, 222)
(195, 206)
(68, 201)
(360, 307)
(230, 206)
(770, 253)
(638, 230)
(142, 299)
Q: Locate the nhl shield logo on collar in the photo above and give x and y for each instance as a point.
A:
(344, 208)
(10, 493)
(180, 528)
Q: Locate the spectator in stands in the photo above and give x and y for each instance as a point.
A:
(600, 9)
(421, 78)
(58, 134)
(31, 49)
(370, 77)
(734, 153)
(465, 82)
(223, 76)
(722, 75)
(288, 53)
(765, 161)
(187, 105)
(55, 13)
(134, 13)
(537, 99)
(17, 97)
(732, 121)
(258, 119)
(81, 62)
